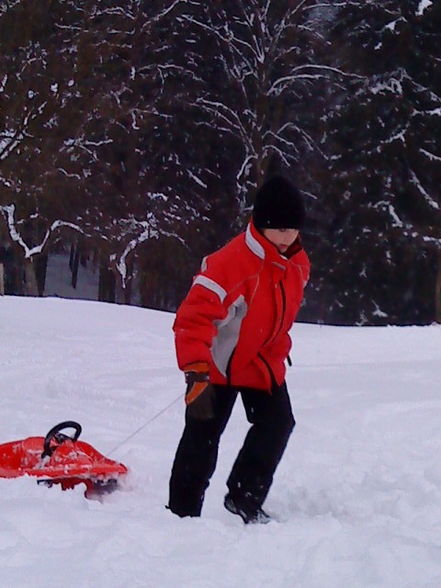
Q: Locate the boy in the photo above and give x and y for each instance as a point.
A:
(231, 335)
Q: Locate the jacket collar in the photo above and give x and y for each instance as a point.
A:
(266, 250)
(254, 240)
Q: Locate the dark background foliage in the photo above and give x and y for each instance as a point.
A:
(133, 135)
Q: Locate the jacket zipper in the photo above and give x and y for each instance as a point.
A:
(276, 331)
(270, 371)
(282, 318)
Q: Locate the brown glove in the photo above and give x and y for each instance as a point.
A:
(199, 396)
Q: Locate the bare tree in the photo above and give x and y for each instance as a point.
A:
(253, 84)
(77, 119)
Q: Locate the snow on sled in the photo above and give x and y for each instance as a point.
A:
(60, 459)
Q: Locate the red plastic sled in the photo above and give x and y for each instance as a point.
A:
(60, 459)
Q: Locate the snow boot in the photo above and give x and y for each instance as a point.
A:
(250, 514)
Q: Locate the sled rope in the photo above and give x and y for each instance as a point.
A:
(153, 418)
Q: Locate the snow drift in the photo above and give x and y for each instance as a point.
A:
(357, 497)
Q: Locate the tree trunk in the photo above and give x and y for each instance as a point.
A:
(40, 266)
(71, 255)
(31, 286)
(2, 279)
(128, 289)
(438, 291)
(75, 264)
(128, 293)
(106, 284)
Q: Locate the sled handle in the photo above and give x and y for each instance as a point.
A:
(54, 434)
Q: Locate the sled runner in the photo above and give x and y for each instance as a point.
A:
(60, 459)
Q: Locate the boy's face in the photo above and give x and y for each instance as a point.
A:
(281, 238)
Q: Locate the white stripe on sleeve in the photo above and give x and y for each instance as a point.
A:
(211, 285)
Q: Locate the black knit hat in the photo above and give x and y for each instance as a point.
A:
(278, 205)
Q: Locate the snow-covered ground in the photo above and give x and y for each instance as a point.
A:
(357, 496)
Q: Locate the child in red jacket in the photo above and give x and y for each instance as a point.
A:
(231, 334)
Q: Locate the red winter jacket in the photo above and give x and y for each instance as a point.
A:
(238, 312)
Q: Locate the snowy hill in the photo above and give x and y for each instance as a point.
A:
(357, 496)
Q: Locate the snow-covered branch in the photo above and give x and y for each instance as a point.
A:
(423, 6)
(15, 235)
(10, 139)
(144, 230)
(167, 10)
(300, 72)
(229, 116)
(430, 155)
(429, 200)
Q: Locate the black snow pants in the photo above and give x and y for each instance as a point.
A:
(272, 422)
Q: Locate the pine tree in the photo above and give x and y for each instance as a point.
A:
(384, 139)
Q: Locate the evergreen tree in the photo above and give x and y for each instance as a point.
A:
(382, 184)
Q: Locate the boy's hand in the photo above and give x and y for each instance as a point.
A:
(199, 396)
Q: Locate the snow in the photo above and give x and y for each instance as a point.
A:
(434, 112)
(357, 497)
(423, 6)
(59, 279)
(392, 25)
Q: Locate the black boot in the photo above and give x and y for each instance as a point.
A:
(250, 514)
